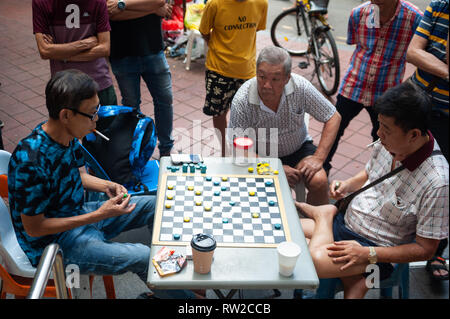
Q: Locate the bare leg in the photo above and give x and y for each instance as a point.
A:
(354, 287)
(318, 189)
(323, 223)
(321, 238)
(220, 123)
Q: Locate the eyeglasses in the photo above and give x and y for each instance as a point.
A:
(91, 116)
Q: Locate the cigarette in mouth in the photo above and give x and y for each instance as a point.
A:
(101, 135)
(373, 143)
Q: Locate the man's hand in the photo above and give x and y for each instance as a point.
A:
(114, 189)
(165, 11)
(116, 206)
(309, 166)
(349, 252)
(112, 6)
(338, 189)
(292, 175)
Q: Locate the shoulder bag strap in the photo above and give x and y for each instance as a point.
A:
(346, 200)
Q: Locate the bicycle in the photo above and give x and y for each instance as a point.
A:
(304, 31)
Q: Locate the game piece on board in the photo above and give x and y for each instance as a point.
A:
(169, 196)
(223, 188)
(198, 192)
(168, 206)
(224, 178)
(232, 203)
(251, 193)
(255, 215)
(190, 188)
(277, 226)
(187, 219)
(225, 220)
(170, 187)
(216, 193)
(271, 203)
(176, 236)
(198, 203)
(269, 183)
(208, 208)
(208, 178)
(216, 183)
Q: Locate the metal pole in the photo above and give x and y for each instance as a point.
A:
(51, 259)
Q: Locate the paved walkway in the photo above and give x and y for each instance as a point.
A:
(23, 76)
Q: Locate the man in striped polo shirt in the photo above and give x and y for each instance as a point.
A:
(427, 51)
(381, 30)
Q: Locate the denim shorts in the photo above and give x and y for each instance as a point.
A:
(341, 232)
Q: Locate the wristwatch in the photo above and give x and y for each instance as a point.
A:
(372, 255)
(121, 5)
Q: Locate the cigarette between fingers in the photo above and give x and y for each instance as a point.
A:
(101, 135)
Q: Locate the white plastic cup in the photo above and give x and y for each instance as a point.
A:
(288, 253)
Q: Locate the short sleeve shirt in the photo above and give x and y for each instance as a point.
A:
(43, 178)
(67, 21)
(434, 28)
(378, 62)
(414, 202)
(232, 45)
(285, 130)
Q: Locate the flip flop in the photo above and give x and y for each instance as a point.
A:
(431, 268)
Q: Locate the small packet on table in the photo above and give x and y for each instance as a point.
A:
(167, 262)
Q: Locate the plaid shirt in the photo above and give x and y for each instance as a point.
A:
(412, 202)
(378, 62)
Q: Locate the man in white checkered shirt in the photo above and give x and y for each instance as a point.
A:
(275, 98)
(401, 219)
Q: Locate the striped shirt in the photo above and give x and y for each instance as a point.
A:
(285, 131)
(378, 62)
(412, 202)
(434, 28)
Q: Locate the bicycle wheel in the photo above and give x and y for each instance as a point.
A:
(326, 61)
(290, 30)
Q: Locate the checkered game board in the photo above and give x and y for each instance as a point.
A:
(238, 210)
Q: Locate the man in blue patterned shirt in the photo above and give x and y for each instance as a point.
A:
(46, 182)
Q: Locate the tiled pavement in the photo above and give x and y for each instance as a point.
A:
(23, 75)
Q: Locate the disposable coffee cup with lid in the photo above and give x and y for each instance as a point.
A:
(203, 246)
(203, 242)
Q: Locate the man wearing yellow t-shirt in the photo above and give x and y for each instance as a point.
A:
(229, 27)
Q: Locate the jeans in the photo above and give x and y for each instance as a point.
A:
(90, 248)
(155, 71)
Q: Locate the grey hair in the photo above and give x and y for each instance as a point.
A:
(275, 56)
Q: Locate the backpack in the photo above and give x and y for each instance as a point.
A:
(132, 140)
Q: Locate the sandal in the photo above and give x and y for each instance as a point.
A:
(431, 268)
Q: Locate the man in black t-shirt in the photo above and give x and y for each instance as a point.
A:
(137, 50)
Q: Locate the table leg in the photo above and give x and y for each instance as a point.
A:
(222, 296)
